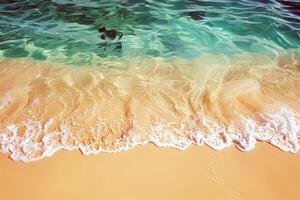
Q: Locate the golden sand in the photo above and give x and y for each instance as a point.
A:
(148, 172)
(210, 99)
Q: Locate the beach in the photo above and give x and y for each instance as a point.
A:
(147, 172)
(149, 100)
(76, 133)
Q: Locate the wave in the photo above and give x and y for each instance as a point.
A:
(212, 99)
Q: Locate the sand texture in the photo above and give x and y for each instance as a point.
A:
(149, 173)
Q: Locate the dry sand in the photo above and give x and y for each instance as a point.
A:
(149, 172)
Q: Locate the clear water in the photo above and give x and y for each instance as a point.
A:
(66, 31)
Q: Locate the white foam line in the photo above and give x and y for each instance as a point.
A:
(280, 129)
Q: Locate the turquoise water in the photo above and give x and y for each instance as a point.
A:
(67, 31)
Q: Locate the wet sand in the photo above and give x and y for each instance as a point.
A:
(148, 172)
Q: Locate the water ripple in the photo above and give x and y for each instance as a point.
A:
(153, 28)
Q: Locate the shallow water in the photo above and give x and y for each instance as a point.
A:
(209, 100)
(189, 72)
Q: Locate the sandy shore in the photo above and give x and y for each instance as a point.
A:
(148, 172)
